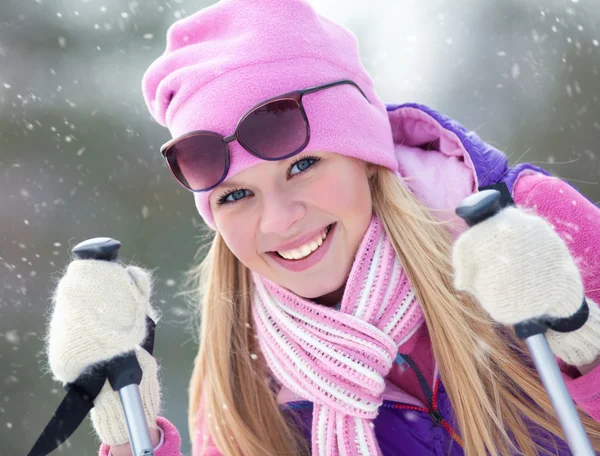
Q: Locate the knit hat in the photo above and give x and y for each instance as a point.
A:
(226, 58)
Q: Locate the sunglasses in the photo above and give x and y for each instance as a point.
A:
(274, 129)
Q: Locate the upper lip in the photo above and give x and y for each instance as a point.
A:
(299, 241)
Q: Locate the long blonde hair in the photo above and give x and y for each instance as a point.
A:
(486, 370)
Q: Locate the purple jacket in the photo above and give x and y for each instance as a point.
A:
(451, 162)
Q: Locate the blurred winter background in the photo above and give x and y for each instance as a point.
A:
(79, 152)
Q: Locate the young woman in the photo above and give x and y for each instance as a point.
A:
(345, 309)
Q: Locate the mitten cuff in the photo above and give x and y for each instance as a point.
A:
(579, 347)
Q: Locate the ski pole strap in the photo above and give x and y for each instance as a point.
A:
(80, 400)
(541, 324)
(572, 323)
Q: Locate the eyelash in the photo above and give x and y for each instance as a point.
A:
(222, 198)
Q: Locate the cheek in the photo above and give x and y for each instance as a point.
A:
(240, 242)
(342, 196)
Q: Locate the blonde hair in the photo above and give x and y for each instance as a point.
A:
(487, 372)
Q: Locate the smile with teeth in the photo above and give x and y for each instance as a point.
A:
(306, 249)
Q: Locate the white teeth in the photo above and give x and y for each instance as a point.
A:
(306, 249)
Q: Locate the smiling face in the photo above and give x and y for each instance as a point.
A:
(297, 222)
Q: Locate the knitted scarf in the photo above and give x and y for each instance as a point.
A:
(338, 359)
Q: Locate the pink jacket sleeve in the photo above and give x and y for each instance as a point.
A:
(577, 222)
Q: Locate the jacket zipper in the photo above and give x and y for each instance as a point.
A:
(433, 410)
(438, 414)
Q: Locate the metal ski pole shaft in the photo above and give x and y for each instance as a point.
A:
(125, 373)
(473, 210)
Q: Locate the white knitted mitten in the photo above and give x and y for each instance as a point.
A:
(518, 268)
(99, 311)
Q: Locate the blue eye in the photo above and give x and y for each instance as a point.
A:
(303, 164)
(239, 194)
(232, 197)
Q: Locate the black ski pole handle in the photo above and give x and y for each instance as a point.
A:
(100, 248)
(479, 206)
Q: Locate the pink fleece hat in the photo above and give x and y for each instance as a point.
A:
(222, 60)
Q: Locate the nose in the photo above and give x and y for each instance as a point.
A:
(280, 211)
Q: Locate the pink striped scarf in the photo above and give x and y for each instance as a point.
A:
(339, 359)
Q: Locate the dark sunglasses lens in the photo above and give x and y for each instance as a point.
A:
(199, 161)
(274, 130)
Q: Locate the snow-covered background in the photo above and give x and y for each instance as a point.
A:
(79, 152)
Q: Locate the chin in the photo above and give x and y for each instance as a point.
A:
(317, 290)
(308, 294)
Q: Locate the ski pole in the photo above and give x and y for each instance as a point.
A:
(124, 372)
(473, 210)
